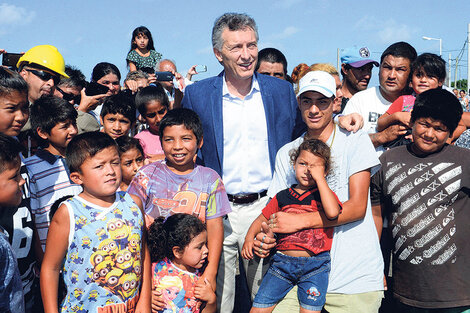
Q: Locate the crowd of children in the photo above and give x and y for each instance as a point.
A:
(122, 220)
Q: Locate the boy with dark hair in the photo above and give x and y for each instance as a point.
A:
(53, 120)
(423, 189)
(71, 87)
(97, 237)
(11, 182)
(14, 107)
(178, 185)
(118, 115)
(14, 113)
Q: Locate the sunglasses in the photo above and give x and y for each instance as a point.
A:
(69, 96)
(45, 76)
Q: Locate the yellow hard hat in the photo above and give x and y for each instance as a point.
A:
(46, 56)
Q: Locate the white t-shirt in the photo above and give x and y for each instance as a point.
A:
(356, 259)
(370, 104)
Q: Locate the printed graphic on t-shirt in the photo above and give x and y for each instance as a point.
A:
(200, 193)
(103, 268)
(373, 117)
(184, 201)
(176, 286)
(424, 220)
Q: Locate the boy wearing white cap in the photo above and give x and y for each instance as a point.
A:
(356, 276)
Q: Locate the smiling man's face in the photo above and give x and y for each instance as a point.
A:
(239, 53)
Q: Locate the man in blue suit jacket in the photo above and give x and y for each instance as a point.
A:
(205, 97)
(246, 118)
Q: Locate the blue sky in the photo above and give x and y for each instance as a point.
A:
(308, 31)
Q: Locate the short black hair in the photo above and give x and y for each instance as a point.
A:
(85, 146)
(271, 55)
(182, 116)
(175, 231)
(440, 105)
(400, 50)
(47, 112)
(126, 143)
(151, 93)
(76, 78)
(9, 153)
(103, 69)
(119, 104)
(11, 82)
(431, 64)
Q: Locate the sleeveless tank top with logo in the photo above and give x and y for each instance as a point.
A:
(102, 268)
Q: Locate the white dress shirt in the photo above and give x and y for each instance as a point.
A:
(246, 167)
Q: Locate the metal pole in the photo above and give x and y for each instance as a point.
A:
(440, 46)
(450, 73)
(468, 57)
(337, 59)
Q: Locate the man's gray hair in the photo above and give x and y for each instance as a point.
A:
(135, 75)
(234, 21)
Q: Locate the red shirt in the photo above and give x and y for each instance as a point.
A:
(316, 240)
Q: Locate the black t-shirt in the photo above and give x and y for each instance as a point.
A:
(427, 201)
(19, 227)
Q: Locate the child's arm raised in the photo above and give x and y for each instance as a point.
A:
(329, 200)
(255, 228)
(384, 121)
(387, 120)
(56, 248)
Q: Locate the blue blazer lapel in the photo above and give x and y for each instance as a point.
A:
(217, 117)
(269, 111)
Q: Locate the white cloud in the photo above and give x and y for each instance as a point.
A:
(289, 31)
(285, 4)
(13, 15)
(393, 32)
(286, 33)
(366, 23)
(385, 31)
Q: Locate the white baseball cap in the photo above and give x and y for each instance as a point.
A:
(318, 81)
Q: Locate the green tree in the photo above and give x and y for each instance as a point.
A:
(461, 84)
